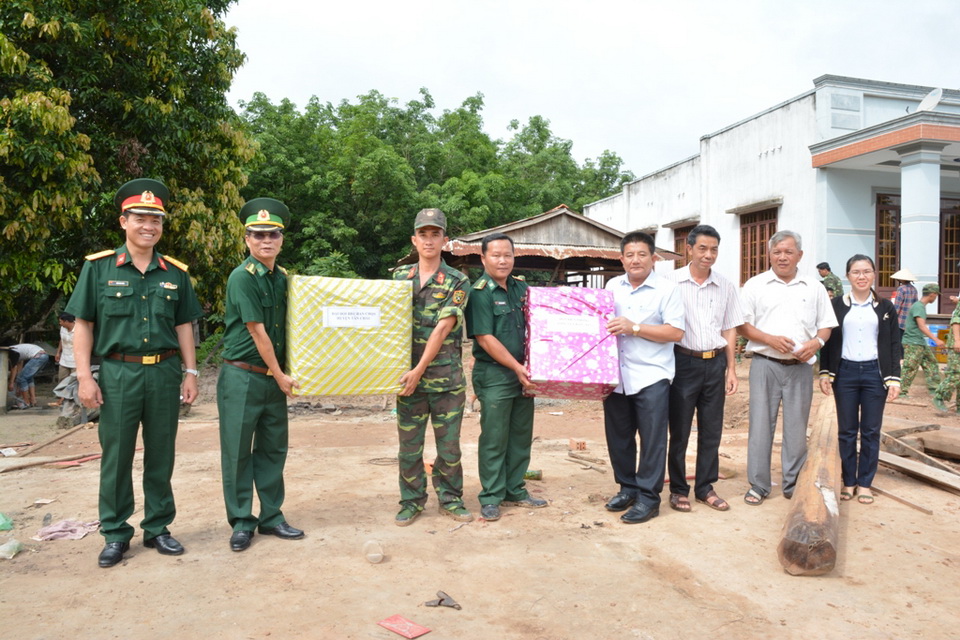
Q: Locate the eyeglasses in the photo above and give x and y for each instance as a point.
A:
(864, 274)
(263, 235)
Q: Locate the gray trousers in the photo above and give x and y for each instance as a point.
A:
(770, 385)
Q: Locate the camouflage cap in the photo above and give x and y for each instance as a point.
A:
(430, 218)
(931, 288)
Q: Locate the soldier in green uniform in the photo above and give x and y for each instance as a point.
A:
(916, 353)
(252, 388)
(830, 281)
(496, 323)
(435, 387)
(135, 309)
(950, 383)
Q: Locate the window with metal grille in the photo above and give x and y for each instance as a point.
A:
(756, 229)
(888, 241)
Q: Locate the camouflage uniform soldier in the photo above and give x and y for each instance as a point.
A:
(951, 377)
(916, 352)
(435, 388)
(830, 281)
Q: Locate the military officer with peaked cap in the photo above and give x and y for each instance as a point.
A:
(134, 309)
(252, 387)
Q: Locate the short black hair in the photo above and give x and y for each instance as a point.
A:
(702, 230)
(68, 317)
(493, 237)
(637, 236)
(824, 265)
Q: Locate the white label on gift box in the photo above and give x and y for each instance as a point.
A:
(563, 323)
(351, 317)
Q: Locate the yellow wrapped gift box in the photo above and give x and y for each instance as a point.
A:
(347, 336)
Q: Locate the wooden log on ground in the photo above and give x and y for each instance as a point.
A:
(808, 546)
(37, 463)
(944, 443)
(938, 478)
(900, 448)
(63, 435)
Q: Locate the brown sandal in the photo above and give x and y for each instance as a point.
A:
(679, 502)
(714, 501)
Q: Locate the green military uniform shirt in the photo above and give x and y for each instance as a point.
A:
(498, 312)
(135, 313)
(833, 285)
(911, 332)
(255, 294)
(444, 295)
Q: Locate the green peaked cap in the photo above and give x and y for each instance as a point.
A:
(264, 214)
(142, 195)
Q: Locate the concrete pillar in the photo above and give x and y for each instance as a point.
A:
(920, 211)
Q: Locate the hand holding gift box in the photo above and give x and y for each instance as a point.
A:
(348, 337)
(570, 353)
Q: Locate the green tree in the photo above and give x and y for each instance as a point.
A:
(94, 93)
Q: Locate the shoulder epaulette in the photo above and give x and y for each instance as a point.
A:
(520, 278)
(251, 268)
(101, 254)
(479, 284)
(176, 263)
(281, 270)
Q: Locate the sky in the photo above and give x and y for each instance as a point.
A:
(642, 79)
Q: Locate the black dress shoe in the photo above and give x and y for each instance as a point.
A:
(282, 530)
(640, 513)
(240, 540)
(165, 544)
(112, 553)
(620, 502)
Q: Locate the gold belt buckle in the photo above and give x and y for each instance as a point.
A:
(154, 359)
(709, 355)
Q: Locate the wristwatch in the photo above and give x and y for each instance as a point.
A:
(820, 340)
(193, 371)
(636, 329)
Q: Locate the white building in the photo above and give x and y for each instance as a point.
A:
(854, 166)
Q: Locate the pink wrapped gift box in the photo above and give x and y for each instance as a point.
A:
(570, 355)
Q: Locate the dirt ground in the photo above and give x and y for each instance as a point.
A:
(571, 570)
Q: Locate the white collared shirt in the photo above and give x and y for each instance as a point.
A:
(797, 309)
(708, 309)
(860, 330)
(657, 301)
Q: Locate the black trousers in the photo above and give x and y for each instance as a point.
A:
(644, 413)
(698, 385)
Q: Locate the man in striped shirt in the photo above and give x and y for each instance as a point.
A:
(705, 369)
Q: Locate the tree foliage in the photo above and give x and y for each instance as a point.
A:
(94, 93)
(353, 174)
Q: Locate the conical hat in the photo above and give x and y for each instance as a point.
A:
(904, 275)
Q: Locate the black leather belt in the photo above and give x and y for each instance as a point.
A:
(786, 363)
(153, 359)
(703, 355)
(249, 367)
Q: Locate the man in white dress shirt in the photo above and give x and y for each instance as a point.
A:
(705, 370)
(649, 320)
(787, 318)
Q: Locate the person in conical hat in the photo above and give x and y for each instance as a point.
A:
(905, 297)
(253, 387)
(134, 309)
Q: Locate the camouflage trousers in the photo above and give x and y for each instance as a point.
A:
(445, 410)
(916, 357)
(951, 378)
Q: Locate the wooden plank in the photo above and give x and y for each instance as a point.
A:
(808, 546)
(899, 427)
(881, 492)
(940, 479)
(901, 448)
(36, 463)
(943, 443)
